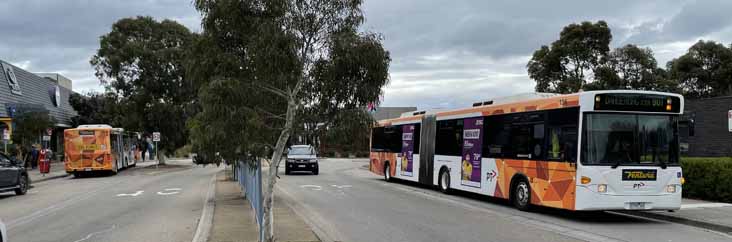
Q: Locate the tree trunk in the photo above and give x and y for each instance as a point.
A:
(268, 203)
(161, 158)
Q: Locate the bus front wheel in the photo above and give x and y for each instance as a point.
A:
(521, 195)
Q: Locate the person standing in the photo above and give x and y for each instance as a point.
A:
(34, 157)
(143, 148)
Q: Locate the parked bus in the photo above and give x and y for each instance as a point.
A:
(597, 150)
(93, 148)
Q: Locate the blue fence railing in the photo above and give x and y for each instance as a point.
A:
(250, 181)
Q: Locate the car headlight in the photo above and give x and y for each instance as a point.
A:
(671, 188)
(602, 188)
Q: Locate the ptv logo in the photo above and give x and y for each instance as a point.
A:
(638, 185)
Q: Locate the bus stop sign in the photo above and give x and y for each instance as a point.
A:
(156, 136)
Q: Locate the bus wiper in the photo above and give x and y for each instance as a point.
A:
(617, 163)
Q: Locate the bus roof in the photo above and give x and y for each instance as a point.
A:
(94, 126)
(529, 103)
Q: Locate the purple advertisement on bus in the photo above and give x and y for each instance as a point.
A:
(407, 149)
(472, 143)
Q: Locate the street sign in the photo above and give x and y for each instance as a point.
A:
(6, 134)
(46, 138)
(49, 131)
(156, 136)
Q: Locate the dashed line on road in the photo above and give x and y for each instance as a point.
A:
(137, 193)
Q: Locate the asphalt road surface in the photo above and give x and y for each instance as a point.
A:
(348, 203)
(138, 204)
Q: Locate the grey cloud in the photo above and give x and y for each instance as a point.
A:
(62, 35)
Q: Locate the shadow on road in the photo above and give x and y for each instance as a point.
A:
(592, 217)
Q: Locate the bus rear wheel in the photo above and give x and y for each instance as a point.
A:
(444, 181)
(521, 195)
(387, 173)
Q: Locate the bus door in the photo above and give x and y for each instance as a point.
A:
(116, 146)
(427, 149)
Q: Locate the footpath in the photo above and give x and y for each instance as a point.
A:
(703, 214)
(57, 171)
(234, 219)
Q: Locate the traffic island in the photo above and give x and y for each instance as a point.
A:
(702, 214)
(234, 218)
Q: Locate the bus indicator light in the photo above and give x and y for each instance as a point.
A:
(668, 107)
(585, 180)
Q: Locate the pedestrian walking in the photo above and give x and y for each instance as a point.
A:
(34, 156)
(143, 148)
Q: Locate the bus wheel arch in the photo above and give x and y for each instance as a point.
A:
(520, 192)
(443, 179)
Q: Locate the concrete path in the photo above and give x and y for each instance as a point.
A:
(234, 219)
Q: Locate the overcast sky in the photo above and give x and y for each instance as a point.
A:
(445, 54)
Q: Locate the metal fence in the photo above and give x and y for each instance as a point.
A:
(250, 181)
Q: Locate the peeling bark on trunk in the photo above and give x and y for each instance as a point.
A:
(268, 218)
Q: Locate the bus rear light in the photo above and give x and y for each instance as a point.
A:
(585, 180)
(602, 188)
(668, 107)
(671, 188)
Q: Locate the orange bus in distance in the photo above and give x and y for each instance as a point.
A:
(99, 147)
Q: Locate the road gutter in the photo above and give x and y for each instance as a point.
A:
(727, 230)
(203, 229)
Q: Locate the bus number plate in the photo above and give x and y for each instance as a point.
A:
(87, 169)
(639, 205)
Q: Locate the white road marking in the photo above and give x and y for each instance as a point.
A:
(138, 193)
(705, 205)
(312, 187)
(341, 186)
(206, 221)
(88, 236)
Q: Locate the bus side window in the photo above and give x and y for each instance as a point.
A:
(449, 139)
(562, 135)
(497, 137)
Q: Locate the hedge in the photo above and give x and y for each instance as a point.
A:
(708, 178)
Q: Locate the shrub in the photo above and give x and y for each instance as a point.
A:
(707, 178)
(184, 151)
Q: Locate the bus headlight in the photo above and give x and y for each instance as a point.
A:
(671, 188)
(683, 180)
(602, 188)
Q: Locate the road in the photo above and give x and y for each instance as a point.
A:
(348, 203)
(138, 204)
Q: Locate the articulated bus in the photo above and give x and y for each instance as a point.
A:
(596, 150)
(94, 148)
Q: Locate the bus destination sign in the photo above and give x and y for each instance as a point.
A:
(637, 102)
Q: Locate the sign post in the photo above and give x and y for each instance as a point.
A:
(729, 120)
(156, 139)
(6, 137)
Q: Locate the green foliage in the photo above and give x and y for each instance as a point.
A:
(633, 68)
(705, 70)
(184, 151)
(141, 63)
(581, 60)
(96, 108)
(567, 65)
(28, 129)
(708, 178)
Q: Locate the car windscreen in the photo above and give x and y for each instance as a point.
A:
(301, 151)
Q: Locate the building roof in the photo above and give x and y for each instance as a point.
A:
(36, 92)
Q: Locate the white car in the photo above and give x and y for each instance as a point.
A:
(3, 232)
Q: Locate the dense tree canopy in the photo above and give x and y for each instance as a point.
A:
(569, 63)
(141, 63)
(262, 63)
(633, 68)
(705, 70)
